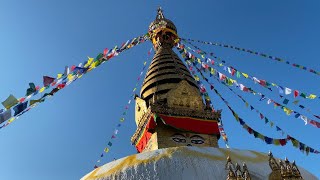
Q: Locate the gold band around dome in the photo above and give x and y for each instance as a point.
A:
(154, 32)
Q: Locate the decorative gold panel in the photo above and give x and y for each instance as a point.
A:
(185, 96)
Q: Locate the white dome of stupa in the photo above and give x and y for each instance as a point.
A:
(187, 163)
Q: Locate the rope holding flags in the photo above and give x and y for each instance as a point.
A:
(257, 53)
(22, 105)
(266, 139)
(233, 71)
(213, 72)
(122, 119)
(206, 96)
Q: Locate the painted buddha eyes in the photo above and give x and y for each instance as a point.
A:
(196, 139)
(180, 138)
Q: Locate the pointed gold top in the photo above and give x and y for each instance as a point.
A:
(160, 13)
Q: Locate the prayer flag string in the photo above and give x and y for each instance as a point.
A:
(303, 147)
(122, 119)
(262, 116)
(22, 105)
(268, 140)
(206, 96)
(257, 53)
(234, 72)
(229, 81)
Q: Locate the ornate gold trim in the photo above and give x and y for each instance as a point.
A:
(283, 170)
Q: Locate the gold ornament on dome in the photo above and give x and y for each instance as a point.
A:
(283, 170)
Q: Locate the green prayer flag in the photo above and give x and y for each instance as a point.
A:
(303, 95)
(35, 101)
(31, 89)
(10, 101)
(260, 136)
(295, 102)
(295, 143)
(238, 74)
(276, 142)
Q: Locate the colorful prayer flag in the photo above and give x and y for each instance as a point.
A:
(10, 101)
(20, 107)
(48, 80)
(5, 115)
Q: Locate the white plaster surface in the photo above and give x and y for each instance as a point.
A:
(187, 163)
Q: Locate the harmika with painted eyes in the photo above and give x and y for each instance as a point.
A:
(187, 139)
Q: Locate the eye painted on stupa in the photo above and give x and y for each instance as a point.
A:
(196, 139)
(179, 138)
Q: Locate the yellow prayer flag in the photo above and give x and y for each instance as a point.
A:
(134, 89)
(245, 75)
(88, 62)
(276, 142)
(287, 111)
(59, 76)
(202, 56)
(212, 71)
(70, 77)
(312, 96)
(11, 120)
(273, 84)
(220, 64)
(145, 63)
(199, 60)
(106, 150)
(42, 89)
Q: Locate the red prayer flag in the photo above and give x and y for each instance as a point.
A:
(283, 142)
(60, 86)
(47, 80)
(261, 116)
(262, 82)
(315, 123)
(232, 72)
(296, 93)
(105, 52)
(73, 67)
(245, 89)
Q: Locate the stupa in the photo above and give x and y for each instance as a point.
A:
(177, 131)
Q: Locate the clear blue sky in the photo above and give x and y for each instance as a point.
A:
(63, 137)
